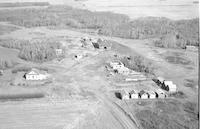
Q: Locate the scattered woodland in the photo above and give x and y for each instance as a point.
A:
(177, 33)
(33, 51)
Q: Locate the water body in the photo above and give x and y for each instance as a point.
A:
(176, 10)
(173, 9)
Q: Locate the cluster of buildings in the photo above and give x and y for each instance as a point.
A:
(120, 68)
(143, 94)
(95, 43)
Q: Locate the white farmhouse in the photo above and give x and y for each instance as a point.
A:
(116, 65)
(35, 74)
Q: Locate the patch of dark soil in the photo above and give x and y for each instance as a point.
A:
(179, 95)
(190, 83)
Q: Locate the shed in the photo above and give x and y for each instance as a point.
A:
(125, 95)
(143, 94)
(59, 52)
(160, 93)
(152, 94)
(78, 56)
(134, 94)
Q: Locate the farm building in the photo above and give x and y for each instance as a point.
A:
(125, 95)
(134, 94)
(160, 93)
(143, 94)
(169, 86)
(152, 95)
(59, 52)
(78, 56)
(116, 65)
(35, 74)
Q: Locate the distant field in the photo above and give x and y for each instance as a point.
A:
(23, 4)
(6, 29)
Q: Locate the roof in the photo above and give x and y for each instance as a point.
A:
(161, 79)
(168, 83)
(124, 92)
(133, 92)
(142, 92)
(160, 91)
(151, 92)
(35, 71)
(173, 86)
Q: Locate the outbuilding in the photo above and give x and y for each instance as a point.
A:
(125, 95)
(160, 93)
(152, 94)
(59, 52)
(143, 94)
(134, 94)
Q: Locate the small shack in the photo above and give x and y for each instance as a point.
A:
(143, 94)
(125, 95)
(134, 94)
(78, 56)
(35, 74)
(59, 52)
(160, 93)
(152, 94)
